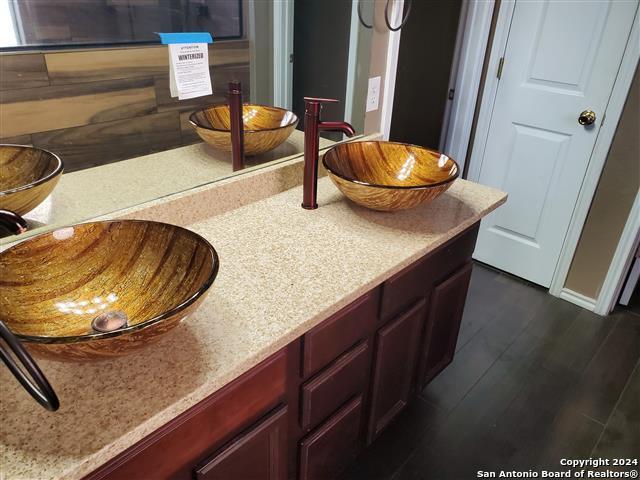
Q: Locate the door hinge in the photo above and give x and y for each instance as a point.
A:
(452, 92)
(500, 65)
(291, 58)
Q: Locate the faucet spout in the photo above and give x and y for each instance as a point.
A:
(312, 127)
(343, 127)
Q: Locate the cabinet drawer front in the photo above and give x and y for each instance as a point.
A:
(329, 449)
(258, 454)
(324, 393)
(336, 335)
(395, 361)
(172, 450)
(408, 286)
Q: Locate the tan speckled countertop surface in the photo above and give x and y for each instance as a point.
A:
(283, 270)
(85, 194)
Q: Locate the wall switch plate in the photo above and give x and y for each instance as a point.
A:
(373, 94)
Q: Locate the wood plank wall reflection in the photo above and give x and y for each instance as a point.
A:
(98, 106)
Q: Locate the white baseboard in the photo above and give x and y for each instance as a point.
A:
(579, 299)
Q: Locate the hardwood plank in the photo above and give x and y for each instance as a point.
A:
(50, 108)
(100, 143)
(621, 436)
(604, 379)
(505, 419)
(382, 458)
(483, 350)
(23, 71)
(102, 64)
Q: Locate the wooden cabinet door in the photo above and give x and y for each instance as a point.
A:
(258, 454)
(327, 451)
(443, 323)
(394, 367)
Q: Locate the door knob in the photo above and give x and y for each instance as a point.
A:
(587, 117)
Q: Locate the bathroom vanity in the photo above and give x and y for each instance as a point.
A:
(319, 329)
(311, 407)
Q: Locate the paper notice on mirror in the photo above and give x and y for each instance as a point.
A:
(189, 70)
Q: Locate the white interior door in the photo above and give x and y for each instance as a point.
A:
(561, 59)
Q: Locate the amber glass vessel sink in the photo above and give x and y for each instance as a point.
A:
(388, 175)
(103, 289)
(27, 177)
(264, 127)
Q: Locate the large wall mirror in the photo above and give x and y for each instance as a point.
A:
(89, 81)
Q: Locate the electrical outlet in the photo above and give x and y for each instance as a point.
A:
(373, 94)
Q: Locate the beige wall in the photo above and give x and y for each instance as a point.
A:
(611, 204)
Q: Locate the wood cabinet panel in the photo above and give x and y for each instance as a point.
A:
(329, 449)
(258, 454)
(443, 323)
(325, 392)
(394, 367)
(173, 450)
(341, 331)
(416, 281)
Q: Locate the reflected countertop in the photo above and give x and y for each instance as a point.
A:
(283, 270)
(96, 191)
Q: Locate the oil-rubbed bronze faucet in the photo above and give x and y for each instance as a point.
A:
(312, 127)
(237, 125)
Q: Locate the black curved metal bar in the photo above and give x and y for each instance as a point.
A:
(41, 390)
(13, 222)
(404, 20)
(364, 24)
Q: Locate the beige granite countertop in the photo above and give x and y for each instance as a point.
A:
(282, 271)
(88, 193)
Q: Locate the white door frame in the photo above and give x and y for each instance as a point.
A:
(282, 50)
(466, 74)
(598, 156)
(391, 68)
(606, 133)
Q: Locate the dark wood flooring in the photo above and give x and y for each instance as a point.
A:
(535, 379)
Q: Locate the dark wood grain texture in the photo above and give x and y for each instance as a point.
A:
(173, 450)
(443, 323)
(527, 367)
(416, 281)
(394, 367)
(334, 336)
(50, 98)
(329, 449)
(49, 108)
(325, 392)
(23, 71)
(85, 146)
(257, 454)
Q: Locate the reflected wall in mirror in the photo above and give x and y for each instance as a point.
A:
(89, 82)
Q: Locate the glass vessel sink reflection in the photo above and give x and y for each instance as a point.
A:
(103, 289)
(265, 127)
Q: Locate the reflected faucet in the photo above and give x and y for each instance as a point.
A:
(312, 128)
